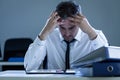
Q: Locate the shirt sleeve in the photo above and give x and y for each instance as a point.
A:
(35, 54)
(99, 41)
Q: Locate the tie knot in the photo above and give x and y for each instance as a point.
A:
(68, 42)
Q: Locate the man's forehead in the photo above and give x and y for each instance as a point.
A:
(67, 26)
(66, 21)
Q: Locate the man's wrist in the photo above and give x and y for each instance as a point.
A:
(41, 38)
(94, 37)
(91, 33)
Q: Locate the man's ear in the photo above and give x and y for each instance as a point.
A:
(79, 9)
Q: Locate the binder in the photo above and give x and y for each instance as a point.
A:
(109, 68)
(98, 55)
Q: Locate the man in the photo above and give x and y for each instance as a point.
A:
(65, 25)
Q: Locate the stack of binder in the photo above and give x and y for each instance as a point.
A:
(105, 61)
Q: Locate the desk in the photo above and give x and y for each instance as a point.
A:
(21, 75)
(3, 63)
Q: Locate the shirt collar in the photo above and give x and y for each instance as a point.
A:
(77, 37)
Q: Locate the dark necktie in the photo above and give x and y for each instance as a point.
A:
(67, 55)
(67, 63)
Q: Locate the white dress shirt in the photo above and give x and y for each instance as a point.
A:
(55, 47)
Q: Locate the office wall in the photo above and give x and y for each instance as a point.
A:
(26, 18)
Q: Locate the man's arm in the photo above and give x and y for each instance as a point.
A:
(97, 38)
(35, 55)
(87, 28)
(82, 22)
(49, 26)
(37, 50)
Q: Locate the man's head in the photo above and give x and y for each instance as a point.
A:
(66, 10)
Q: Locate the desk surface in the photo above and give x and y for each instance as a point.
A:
(21, 75)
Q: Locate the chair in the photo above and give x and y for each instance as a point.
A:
(14, 51)
(0, 52)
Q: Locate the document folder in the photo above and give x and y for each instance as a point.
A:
(98, 55)
(106, 69)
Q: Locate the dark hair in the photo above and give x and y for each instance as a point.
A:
(67, 9)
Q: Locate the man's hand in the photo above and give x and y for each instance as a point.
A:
(82, 22)
(49, 26)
